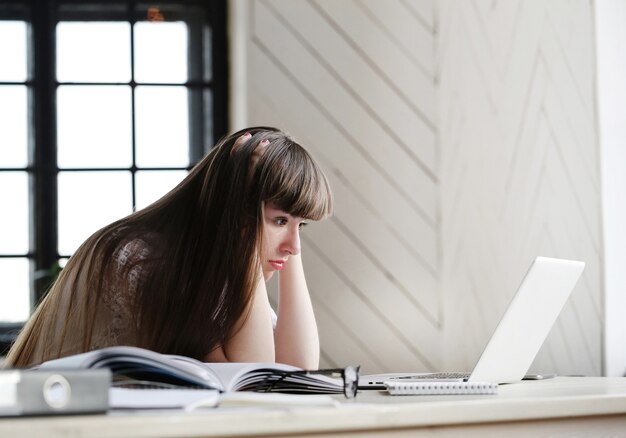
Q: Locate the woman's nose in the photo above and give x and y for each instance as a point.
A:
(291, 244)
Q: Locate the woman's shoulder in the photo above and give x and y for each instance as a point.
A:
(135, 249)
(129, 269)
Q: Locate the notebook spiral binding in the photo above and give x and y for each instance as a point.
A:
(440, 388)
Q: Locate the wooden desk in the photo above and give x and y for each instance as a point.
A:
(572, 406)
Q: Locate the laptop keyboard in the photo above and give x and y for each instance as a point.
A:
(434, 376)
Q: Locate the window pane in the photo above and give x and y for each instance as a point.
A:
(87, 202)
(13, 126)
(93, 52)
(208, 118)
(14, 290)
(94, 126)
(161, 52)
(162, 125)
(13, 54)
(151, 185)
(14, 217)
(207, 39)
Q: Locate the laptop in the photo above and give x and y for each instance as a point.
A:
(521, 332)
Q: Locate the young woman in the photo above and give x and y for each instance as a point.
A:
(187, 274)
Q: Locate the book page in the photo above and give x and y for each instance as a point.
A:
(134, 361)
(270, 377)
(231, 374)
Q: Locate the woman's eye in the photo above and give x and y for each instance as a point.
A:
(280, 221)
(302, 225)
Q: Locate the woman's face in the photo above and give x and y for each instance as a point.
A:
(281, 238)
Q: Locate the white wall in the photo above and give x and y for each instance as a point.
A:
(460, 141)
(519, 170)
(611, 61)
(354, 82)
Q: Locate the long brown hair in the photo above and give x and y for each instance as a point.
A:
(203, 239)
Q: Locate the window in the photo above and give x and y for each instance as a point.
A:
(14, 260)
(104, 106)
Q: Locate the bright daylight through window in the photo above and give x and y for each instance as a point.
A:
(103, 109)
(14, 269)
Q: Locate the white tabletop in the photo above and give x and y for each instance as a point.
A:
(559, 398)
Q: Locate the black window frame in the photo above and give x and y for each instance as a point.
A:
(205, 53)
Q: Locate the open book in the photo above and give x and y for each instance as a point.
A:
(137, 366)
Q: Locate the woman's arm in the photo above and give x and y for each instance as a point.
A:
(295, 337)
(253, 339)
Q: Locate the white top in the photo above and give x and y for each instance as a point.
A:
(274, 317)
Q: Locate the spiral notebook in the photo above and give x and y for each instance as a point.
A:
(440, 388)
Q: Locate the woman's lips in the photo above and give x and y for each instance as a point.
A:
(277, 264)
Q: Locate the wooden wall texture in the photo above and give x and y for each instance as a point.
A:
(459, 139)
(519, 171)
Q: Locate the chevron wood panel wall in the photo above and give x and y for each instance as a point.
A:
(460, 141)
(353, 80)
(519, 169)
